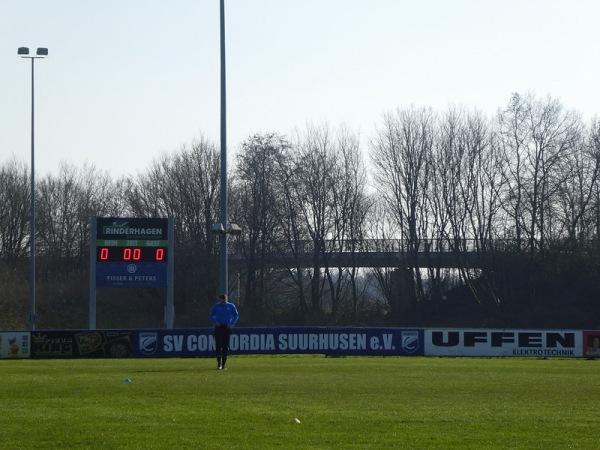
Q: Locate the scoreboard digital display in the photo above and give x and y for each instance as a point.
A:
(128, 254)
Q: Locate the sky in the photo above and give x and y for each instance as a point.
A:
(128, 81)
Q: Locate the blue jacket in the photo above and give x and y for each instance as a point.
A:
(224, 314)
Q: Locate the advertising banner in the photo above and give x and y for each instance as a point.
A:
(332, 341)
(591, 344)
(81, 344)
(14, 344)
(498, 342)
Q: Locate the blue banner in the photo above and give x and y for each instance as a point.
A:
(334, 341)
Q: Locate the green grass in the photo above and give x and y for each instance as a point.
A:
(346, 403)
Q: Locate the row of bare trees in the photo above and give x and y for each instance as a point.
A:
(309, 192)
(519, 191)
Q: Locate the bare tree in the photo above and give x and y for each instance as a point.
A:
(14, 240)
(292, 227)
(350, 209)
(467, 198)
(402, 158)
(260, 201)
(315, 163)
(576, 194)
(302, 200)
(14, 210)
(538, 138)
(593, 218)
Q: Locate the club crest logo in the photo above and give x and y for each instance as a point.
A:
(148, 343)
(410, 341)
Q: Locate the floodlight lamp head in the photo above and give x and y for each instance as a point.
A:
(23, 51)
(218, 228)
(234, 229)
(42, 51)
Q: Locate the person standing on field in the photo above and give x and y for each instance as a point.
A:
(224, 315)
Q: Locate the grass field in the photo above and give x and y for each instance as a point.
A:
(345, 403)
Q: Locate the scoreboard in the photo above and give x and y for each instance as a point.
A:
(132, 252)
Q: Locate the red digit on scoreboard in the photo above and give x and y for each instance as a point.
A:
(126, 254)
(137, 254)
(160, 254)
(103, 254)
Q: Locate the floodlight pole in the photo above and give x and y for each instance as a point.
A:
(224, 284)
(32, 318)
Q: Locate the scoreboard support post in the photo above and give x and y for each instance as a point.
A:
(93, 228)
(170, 308)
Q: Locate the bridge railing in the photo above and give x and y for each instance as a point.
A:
(434, 245)
(383, 245)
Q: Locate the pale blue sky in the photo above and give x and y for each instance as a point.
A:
(128, 80)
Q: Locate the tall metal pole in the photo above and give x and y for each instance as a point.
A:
(24, 53)
(224, 286)
(32, 314)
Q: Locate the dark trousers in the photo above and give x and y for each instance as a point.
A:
(222, 335)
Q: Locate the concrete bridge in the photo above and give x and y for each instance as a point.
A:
(370, 253)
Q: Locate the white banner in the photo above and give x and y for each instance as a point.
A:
(501, 342)
(15, 344)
